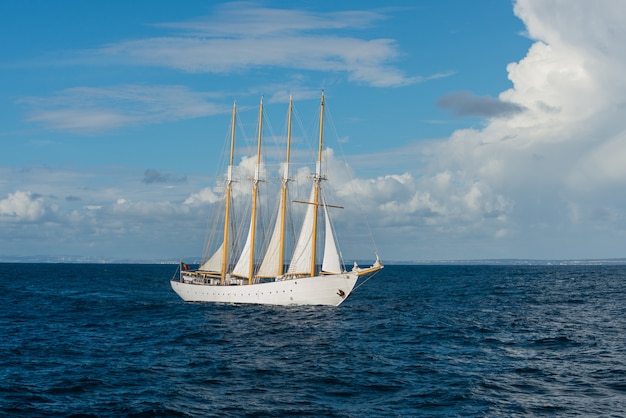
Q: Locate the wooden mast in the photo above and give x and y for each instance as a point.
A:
(229, 181)
(255, 187)
(283, 193)
(317, 179)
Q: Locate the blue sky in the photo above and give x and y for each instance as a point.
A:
(473, 130)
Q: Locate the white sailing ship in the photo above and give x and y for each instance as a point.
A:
(249, 278)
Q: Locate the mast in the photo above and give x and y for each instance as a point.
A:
(255, 187)
(229, 181)
(317, 179)
(273, 261)
(283, 193)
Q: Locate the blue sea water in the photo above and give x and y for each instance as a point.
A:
(114, 340)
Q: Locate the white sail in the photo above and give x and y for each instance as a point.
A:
(242, 267)
(272, 264)
(301, 259)
(215, 262)
(330, 262)
(271, 261)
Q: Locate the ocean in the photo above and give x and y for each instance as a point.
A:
(109, 340)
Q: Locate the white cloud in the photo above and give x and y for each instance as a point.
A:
(238, 38)
(146, 210)
(205, 195)
(245, 19)
(81, 120)
(86, 110)
(22, 207)
(90, 212)
(549, 179)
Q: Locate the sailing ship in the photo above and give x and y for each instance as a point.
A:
(308, 278)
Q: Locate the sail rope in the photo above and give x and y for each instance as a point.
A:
(366, 280)
(215, 214)
(177, 270)
(334, 231)
(351, 185)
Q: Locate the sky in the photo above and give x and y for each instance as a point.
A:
(471, 130)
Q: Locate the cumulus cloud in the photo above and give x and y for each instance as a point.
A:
(205, 195)
(544, 177)
(115, 215)
(22, 206)
(549, 177)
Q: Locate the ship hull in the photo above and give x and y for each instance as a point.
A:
(329, 290)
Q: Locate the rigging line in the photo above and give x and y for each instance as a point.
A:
(246, 146)
(308, 143)
(213, 217)
(271, 155)
(351, 183)
(177, 269)
(212, 231)
(269, 212)
(334, 231)
(366, 280)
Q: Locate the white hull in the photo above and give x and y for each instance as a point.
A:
(321, 290)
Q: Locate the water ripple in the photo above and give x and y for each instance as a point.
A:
(107, 340)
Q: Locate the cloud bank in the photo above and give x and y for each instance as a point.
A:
(547, 180)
